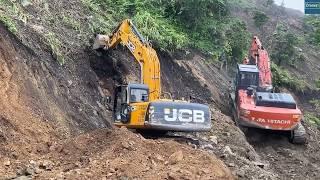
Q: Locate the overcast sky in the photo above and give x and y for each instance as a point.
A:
(294, 4)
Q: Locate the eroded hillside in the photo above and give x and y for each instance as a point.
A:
(53, 88)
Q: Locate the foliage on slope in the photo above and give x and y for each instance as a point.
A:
(176, 25)
(312, 26)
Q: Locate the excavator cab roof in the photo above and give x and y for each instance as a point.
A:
(138, 86)
(248, 68)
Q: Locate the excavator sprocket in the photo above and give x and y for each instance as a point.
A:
(298, 135)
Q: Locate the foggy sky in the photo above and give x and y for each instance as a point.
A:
(294, 4)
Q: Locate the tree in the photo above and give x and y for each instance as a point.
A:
(284, 46)
(260, 19)
(269, 3)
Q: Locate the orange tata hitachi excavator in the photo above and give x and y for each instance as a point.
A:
(139, 105)
(254, 103)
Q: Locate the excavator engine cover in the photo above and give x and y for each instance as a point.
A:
(178, 116)
(280, 100)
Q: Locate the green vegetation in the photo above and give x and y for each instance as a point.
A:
(269, 2)
(318, 83)
(284, 48)
(282, 78)
(9, 23)
(55, 46)
(260, 18)
(312, 118)
(316, 104)
(69, 21)
(202, 24)
(13, 11)
(312, 26)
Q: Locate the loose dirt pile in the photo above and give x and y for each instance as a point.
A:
(119, 154)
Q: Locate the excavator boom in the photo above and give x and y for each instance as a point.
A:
(127, 34)
(259, 56)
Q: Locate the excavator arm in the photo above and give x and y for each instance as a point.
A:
(259, 56)
(127, 34)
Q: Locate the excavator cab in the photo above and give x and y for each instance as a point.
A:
(247, 76)
(126, 95)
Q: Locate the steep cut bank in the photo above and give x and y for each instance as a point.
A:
(64, 96)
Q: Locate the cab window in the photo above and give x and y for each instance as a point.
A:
(248, 79)
(139, 95)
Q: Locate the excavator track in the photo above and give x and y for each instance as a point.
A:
(298, 135)
(234, 114)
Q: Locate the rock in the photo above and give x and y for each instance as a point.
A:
(259, 164)
(207, 146)
(228, 150)
(146, 169)
(131, 143)
(231, 165)
(37, 28)
(95, 112)
(172, 176)
(112, 170)
(7, 163)
(176, 157)
(214, 139)
(30, 171)
(23, 178)
(154, 164)
(46, 164)
(60, 176)
(241, 173)
(33, 163)
(25, 3)
(226, 134)
(159, 158)
(70, 83)
(125, 145)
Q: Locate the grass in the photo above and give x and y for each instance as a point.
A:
(55, 46)
(9, 23)
(11, 11)
(318, 83)
(316, 104)
(312, 118)
(71, 22)
(283, 78)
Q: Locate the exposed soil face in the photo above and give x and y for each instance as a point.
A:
(66, 96)
(45, 106)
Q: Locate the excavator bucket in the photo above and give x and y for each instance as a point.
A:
(178, 116)
(101, 41)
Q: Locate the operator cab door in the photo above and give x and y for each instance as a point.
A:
(125, 96)
(121, 104)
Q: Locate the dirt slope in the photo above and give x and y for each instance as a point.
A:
(45, 106)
